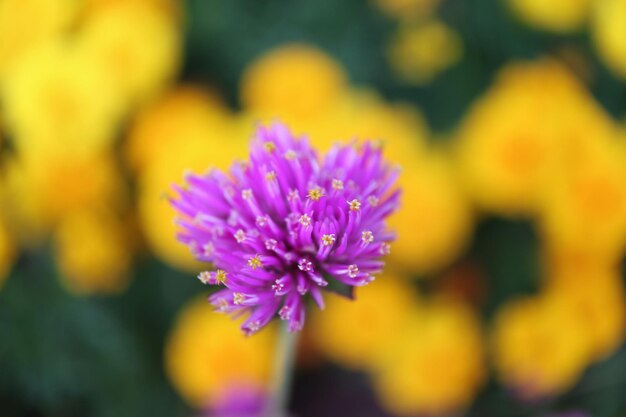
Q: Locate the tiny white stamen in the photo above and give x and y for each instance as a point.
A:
(367, 236)
(277, 287)
(238, 298)
(290, 155)
(285, 313)
(204, 277)
(261, 221)
(305, 220)
(353, 270)
(246, 194)
(293, 195)
(337, 184)
(270, 244)
(373, 200)
(304, 264)
(254, 327)
(222, 305)
(208, 249)
(385, 249)
(240, 236)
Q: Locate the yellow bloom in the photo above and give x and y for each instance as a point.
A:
(511, 140)
(292, 82)
(560, 16)
(25, 23)
(584, 206)
(436, 365)
(355, 333)
(182, 113)
(539, 347)
(418, 53)
(55, 103)
(407, 9)
(206, 352)
(43, 190)
(361, 114)
(197, 151)
(434, 220)
(595, 294)
(137, 44)
(93, 252)
(609, 33)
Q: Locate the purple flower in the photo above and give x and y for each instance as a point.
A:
(288, 224)
(239, 401)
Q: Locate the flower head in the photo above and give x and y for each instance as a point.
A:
(313, 234)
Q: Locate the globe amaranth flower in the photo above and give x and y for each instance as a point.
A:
(287, 224)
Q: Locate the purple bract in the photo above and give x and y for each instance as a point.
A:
(287, 224)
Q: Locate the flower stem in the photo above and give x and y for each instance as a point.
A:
(283, 372)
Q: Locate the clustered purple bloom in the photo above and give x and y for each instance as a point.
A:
(288, 224)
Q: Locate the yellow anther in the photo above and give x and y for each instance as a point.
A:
(290, 155)
(315, 193)
(328, 240)
(255, 262)
(220, 276)
(270, 176)
(355, 205)
(269, 147)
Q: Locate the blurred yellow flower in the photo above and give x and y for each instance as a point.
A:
(419, 52)
(355, 333)
(596, 296)
(93, 252)
(206, 353)
(362, 114)
(25, 23)
(44, 189)
(197, 151)
(539, 347)
(137, 44)
(407, 9)
(436, 364)
(609, 33)
(510, 142)
(435, 220)
(292, 82)
(584, 206)
(560, 16)
(182, 113)
(55, 103)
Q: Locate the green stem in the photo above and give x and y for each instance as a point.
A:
(283, 372)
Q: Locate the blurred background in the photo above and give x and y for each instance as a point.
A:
(503, 296)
